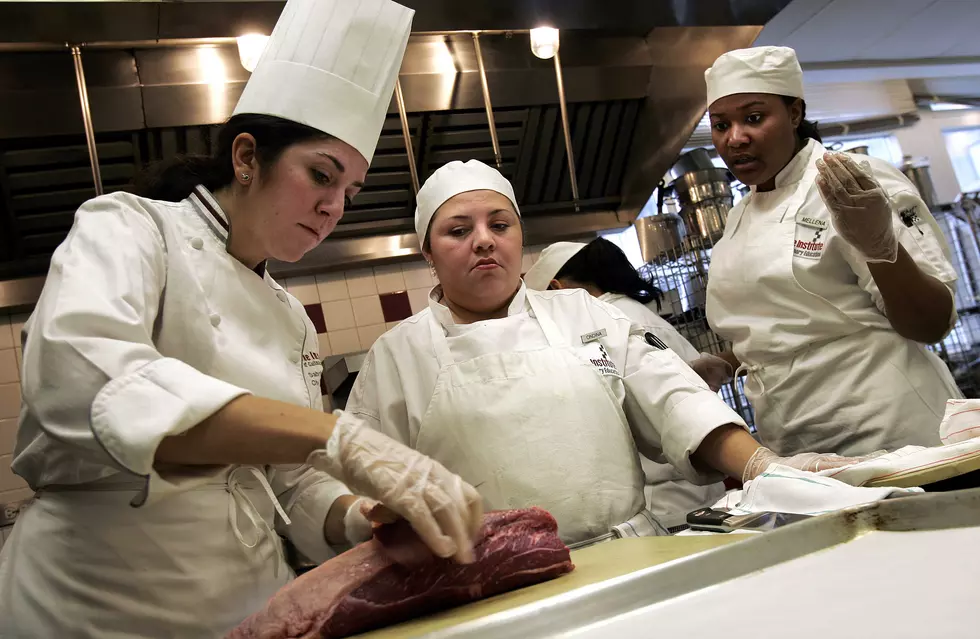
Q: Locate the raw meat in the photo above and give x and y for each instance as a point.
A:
(368, 587)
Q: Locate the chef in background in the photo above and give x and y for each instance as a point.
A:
(831, 276)
(539, 397)
(601, 268)
(171, 386)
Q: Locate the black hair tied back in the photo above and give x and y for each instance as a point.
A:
(604, 265)
(172, 180)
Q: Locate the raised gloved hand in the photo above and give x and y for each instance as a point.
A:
(859, 207)
(762, 458)
(445, 511)
(715, 371)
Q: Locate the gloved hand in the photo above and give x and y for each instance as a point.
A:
(812, 462)
(859, 207)
(445, 511)
(715, 371)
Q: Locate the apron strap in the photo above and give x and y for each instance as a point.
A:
(443, 355)
(551, 332)
(240, 502)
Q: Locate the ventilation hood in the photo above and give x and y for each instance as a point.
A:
(160, 76)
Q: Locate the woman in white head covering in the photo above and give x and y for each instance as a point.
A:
(830, 277)
(171, 386)
(537, 397)
(601, 268)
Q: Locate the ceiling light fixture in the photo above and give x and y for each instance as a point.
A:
(250, 47)
(544, 42)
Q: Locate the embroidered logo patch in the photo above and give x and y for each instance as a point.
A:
(811, 237)
(597, 355)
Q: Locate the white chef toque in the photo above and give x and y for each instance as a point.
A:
(452, 179)
(773, 70)
(551, 261)
(332, 65)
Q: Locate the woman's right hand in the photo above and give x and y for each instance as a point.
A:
(445, 511)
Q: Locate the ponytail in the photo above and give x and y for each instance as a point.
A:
(604, 265)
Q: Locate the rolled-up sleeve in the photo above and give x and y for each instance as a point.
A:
(670, 408)
(92, 376)
(307, 496)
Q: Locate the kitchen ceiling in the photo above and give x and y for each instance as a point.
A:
(633, 72)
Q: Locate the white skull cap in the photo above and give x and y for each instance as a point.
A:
(551, 261)
(773, 70)
(452, 179)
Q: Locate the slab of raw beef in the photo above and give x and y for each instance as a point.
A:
(372, 586)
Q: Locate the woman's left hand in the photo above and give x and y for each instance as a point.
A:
(859, 207)
(715, 371)
(361, 517)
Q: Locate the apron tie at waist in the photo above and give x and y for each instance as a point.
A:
(749, 369)
(240, 502)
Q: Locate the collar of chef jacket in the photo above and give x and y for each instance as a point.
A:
(217, 220)
(445, 317)
(793, 172)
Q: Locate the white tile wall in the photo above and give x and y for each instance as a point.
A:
(389, 279)
(417, 275)
(419, 299)
(9, 482)
(325, 349)
(8, 366)
(345, 341)
(338, 315)
(303, 289)
(367, 310)
(6, 335)
(368, 335)
(8, 435)
(9, 400)
(360, 283)
(332, 287)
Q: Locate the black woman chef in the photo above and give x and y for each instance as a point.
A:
(830, 276)
(171, 386)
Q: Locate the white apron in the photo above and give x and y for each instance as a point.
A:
(535, 428)
(219, 529)
(857, 390)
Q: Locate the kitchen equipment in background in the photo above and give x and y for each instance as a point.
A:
(659, 236)
(860, 150)
(917, 171)
(691, 162)
(704, 192)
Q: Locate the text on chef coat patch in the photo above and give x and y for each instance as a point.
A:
(811, 237)
(597, 355)
(594, 335)
(312, 368)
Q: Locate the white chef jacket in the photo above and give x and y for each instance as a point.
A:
(827, 372)
(147, 326)
(668, 495)
(669, 408)
(645, 316)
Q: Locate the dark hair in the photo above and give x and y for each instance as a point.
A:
(807, 130)
(173, 179)
(604, 265)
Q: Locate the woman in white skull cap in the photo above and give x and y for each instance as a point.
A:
(830, 277)
(601, 268)
(172, 422)
(538, 397)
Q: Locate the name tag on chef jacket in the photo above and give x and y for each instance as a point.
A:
(597, 355)
(811, 237)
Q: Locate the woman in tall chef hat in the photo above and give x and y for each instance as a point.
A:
(171, 386)
(830, 277)
(601, 268)
(538, 397)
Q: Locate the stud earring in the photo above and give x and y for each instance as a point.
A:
(246, 177)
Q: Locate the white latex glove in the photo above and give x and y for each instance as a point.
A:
(445, 511)
(859, 207)
(357, 527)
(715, 371)
(812, 462)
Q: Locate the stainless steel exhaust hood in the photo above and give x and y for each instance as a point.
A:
(160, 75)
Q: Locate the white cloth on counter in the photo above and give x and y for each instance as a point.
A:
(788, 490)
(961, 421)
(907, 459)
